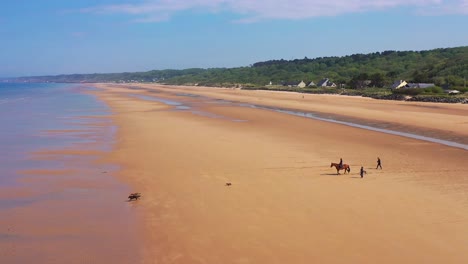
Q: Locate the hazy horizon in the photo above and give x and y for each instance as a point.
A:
(113, 36)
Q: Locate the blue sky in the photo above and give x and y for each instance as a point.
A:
(51, 37)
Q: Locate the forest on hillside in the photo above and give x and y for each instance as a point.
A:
(446, 67)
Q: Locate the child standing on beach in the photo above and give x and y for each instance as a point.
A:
(362, 172)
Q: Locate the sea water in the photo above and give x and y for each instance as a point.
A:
(27, 111)
(47, 117)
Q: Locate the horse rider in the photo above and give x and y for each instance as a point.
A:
(362, 172)
(379, 164)
(341, 163)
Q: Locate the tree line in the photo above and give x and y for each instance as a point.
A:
(445, 67)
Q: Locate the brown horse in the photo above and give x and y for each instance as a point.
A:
(345, 167)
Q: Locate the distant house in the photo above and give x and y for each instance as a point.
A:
(311, 84)
(403, 84)
(302, 84)
(419, 85)
(322, 83)
(399, 84)
(453, 91)
(326, 83)
(290, 84)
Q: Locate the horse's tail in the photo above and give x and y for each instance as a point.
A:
(331, 164)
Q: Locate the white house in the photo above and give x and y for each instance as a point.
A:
(302, 84)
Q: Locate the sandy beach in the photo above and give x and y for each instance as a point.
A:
(179, 146)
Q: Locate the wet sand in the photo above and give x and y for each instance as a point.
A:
(285, 204)
(66, 207)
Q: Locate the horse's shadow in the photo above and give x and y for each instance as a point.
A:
(330, 174)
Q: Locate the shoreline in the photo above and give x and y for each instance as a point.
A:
(284, 197)
(63, 204)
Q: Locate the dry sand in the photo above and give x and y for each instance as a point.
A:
(285, 204)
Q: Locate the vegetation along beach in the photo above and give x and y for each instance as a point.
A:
(186, 132)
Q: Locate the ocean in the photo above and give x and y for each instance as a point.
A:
(58, 202)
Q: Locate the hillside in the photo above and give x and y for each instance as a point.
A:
(444, 67)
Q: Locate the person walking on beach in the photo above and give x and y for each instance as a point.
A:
(341, 163)
(362, 172)
(379, 164)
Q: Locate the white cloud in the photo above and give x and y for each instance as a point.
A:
(459, 7)
(252, 10)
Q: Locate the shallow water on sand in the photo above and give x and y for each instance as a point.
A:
(58, 204)
(378, 127)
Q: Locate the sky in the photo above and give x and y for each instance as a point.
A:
(50, 37)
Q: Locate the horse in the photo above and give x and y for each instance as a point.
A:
(345, 167)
